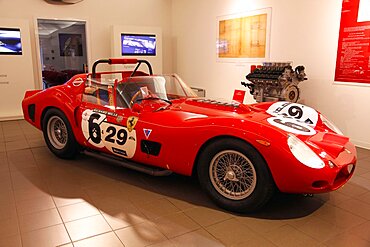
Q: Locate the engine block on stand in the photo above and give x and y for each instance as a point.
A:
(274, 81)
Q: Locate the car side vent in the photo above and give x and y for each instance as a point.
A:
(150, 147)
(31, 112)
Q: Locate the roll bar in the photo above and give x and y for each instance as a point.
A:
(122, 61)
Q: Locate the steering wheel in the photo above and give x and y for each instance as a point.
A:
(133, 98)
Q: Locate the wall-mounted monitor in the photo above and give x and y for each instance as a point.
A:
(10, 41)
(138, 44)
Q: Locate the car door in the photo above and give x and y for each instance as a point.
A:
(104, 126)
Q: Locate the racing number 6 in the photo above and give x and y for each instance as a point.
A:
(94, 128)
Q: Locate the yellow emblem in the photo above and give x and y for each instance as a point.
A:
(131, 122)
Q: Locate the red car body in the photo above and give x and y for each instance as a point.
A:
(182, 130)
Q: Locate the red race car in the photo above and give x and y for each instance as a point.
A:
(156, 124)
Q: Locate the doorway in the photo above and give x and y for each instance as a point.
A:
(63, 51)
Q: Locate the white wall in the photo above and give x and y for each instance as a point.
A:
(16, 73)
(100, 16)
(305, 32)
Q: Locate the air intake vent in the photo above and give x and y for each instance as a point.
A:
(216, 102)
(31, 112)
(150, 147)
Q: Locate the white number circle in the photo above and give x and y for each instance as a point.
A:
(291, 125)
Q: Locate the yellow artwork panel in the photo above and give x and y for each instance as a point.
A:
(243, 37)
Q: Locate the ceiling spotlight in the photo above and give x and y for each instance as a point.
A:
(63, 1)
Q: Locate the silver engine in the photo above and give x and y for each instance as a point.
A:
(275, 81)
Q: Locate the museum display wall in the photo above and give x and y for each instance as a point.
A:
(16, 71)
(100, 17)
(304, 33)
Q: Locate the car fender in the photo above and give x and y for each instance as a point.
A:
(207, 133)
(45, 100)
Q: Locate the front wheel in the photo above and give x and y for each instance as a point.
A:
(235, 175)
(58, 134)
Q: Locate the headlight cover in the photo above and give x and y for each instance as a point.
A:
(330, 125)
(303, 153)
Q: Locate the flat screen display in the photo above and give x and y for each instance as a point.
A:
(10, 41)
(138, 44)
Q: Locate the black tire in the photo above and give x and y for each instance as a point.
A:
(58, 134)
(222, 185)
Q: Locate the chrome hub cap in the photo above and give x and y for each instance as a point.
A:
(232, 174)
(57, 132)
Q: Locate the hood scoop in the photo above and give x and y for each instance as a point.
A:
(233, 104)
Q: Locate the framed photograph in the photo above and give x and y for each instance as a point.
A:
(70, 45)
(244, 37)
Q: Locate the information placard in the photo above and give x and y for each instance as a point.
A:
(353, 63)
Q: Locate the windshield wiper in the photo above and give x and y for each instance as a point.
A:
(155, 98)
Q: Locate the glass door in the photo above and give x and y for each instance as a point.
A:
(63, 51)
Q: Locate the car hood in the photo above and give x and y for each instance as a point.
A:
(283, 117)
(193, 112)
(213, 107)
(199, 109)
(272, 120)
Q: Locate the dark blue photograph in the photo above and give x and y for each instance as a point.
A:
(10, 41)
(70, 45)
(138, 44)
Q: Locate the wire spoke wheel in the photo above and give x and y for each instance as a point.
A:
(232, 174)
(57, 132)
(235, 175)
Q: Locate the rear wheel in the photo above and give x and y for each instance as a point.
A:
(58, 134)
(234, 175)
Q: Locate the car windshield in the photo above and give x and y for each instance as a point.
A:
(165, 87)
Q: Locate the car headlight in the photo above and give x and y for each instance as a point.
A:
(303, 153)
(330, 125)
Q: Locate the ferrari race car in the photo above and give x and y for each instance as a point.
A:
(156, 124)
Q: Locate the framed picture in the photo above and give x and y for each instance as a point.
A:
(70, 45)
(244, 37)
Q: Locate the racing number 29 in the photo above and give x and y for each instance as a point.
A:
(120, 136)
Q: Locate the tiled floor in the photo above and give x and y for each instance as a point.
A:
(46, 201)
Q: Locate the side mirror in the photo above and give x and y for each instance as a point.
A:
(136, 107)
